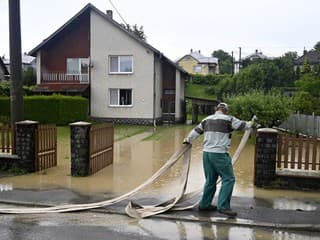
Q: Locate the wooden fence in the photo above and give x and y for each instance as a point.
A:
(45, 147)
(101, 147)
(7, 140)
(298, 152)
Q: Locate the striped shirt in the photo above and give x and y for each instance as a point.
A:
(217, 129)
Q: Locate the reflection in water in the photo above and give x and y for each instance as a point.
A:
(5, 187)
(288, 204)
(150, 228)
(136, 160)
(160, 229)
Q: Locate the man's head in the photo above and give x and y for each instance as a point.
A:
(223, 107)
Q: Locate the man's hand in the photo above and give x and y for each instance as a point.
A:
(254, 123)
(185, 141)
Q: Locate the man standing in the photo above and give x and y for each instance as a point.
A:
(217, 129)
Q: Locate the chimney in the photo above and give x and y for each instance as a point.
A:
(109, 13)
(305, 51)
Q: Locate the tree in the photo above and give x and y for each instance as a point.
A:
(317, 46)
(306, 68)
(135, 30)
(271, 108)
(310, 84)
(29, 77)
(225, 61)
(287, 75)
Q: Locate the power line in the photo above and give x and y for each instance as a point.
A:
(118, 12)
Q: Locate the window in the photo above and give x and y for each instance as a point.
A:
(197, 69)
(78, 69)
(77, 65)
(120, 97)
(121, 64)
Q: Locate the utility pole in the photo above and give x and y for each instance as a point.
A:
(232, 64)
(16, 94)
(239, 58)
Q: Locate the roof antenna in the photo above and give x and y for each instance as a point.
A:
(118, 13)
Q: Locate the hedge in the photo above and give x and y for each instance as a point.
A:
(55, 109)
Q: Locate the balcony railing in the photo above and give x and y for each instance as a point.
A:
(60, 77)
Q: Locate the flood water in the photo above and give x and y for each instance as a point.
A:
(136, 159)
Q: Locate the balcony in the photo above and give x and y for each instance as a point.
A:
(61, 78)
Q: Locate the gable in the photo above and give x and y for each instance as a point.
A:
(188, 59)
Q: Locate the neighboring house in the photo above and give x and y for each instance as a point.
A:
(196, 63)
(4, 73)
(26, 61)
(125, 78)
(312, 57)
(256, 56)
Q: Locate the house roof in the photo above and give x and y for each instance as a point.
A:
(25, 59)
(3, 67)
(90, 7)
(256, 55)
(201, 59)
(312, 57)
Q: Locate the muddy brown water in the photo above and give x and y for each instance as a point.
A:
(136, 159)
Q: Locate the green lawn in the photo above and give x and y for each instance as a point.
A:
(198, 91)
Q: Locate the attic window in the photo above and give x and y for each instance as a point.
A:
(120, 64)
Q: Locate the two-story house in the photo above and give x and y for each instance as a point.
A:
(126, 79)
(196, 63)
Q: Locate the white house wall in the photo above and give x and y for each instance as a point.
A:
(158, 88)
(38, 62)
(106, 40)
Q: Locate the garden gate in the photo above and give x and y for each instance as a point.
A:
(45, 147)
(6, 139)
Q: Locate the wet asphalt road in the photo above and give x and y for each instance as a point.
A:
(94, 225)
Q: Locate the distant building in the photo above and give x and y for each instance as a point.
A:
(312, 57)
(256, 56)
(26, 60)
(246, 60)
(196, 63)
(4, 73)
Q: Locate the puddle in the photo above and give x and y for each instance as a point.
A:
(136, 160)
(139, 229)
(6, 187)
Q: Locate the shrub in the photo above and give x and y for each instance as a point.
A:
(5, 89)
(55, 109)
(209, 79)
(271, 108)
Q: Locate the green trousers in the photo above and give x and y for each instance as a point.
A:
(215, 165)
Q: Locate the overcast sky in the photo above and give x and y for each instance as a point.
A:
(176, 26)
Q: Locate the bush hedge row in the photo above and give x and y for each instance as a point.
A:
(55, 109)
(210, 79)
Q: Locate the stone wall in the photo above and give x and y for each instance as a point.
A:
(265, 157)
(80, 148)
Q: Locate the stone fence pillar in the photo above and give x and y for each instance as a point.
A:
(80, 132)
(25, 144)
(265, 157)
